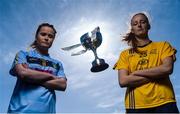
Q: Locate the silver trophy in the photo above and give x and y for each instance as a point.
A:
(91, 43)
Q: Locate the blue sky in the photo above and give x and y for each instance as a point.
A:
(87, 92)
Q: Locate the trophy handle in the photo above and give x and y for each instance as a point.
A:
(79, 53)
(71, 47)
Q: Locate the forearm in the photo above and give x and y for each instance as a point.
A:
(55, 84)
(133, 81)
(33, 76)
(162, 71)
(37, 76)
(154, 73)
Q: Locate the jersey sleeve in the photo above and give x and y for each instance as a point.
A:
(20, 58)
(122, 62)
(168, 51)
(60, 72)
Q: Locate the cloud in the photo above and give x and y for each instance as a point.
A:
(7, 58)
(111, 58)
(105, 91)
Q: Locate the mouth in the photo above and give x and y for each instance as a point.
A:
(140, 30)
(45, 43)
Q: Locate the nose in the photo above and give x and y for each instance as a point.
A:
(139, 24)
(46, 38)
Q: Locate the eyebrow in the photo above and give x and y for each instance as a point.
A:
(140, 20)
(47, 33)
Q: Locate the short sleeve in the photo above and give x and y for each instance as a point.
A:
(20, 58)
(61, 71)
(167, 51)
(122, 63)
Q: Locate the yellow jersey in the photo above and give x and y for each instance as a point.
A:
(154, 93)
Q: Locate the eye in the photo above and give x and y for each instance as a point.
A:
(50, 36)
(134, 24)
(46, 34)
(143, 22)
(43, 34)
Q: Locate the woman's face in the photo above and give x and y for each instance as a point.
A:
(140, 25)
(45, 37)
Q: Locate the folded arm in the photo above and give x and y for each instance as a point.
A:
(47, 80)
(130, 80)
(56, 84)
(32, 76)
(157, 72)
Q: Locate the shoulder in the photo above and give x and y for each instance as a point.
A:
(126, 52)
(22, 52)
(26, 51)
(161, 43)
(164, 44)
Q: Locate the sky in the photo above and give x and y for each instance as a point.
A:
(86, 92)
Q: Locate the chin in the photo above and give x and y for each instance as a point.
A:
(141, 35)
(45, 47)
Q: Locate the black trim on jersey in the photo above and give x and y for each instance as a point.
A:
(115, 66)
(130, 106)
(42, 62)
(144, 45)
(131, 98)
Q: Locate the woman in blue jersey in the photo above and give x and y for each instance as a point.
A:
(38, 75)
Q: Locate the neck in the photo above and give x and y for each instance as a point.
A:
(42, 52)
(142, 41)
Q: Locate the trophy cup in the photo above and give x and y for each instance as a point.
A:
(91, 43)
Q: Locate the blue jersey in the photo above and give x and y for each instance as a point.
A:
(28, 97)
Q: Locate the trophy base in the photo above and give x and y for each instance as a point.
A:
(99, 67)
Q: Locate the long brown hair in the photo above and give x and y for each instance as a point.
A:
(130, 37)
(33, 45)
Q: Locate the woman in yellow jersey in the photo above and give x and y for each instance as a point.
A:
(144, 69)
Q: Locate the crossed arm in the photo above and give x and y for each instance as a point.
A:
(141, 77)
(41, 78)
